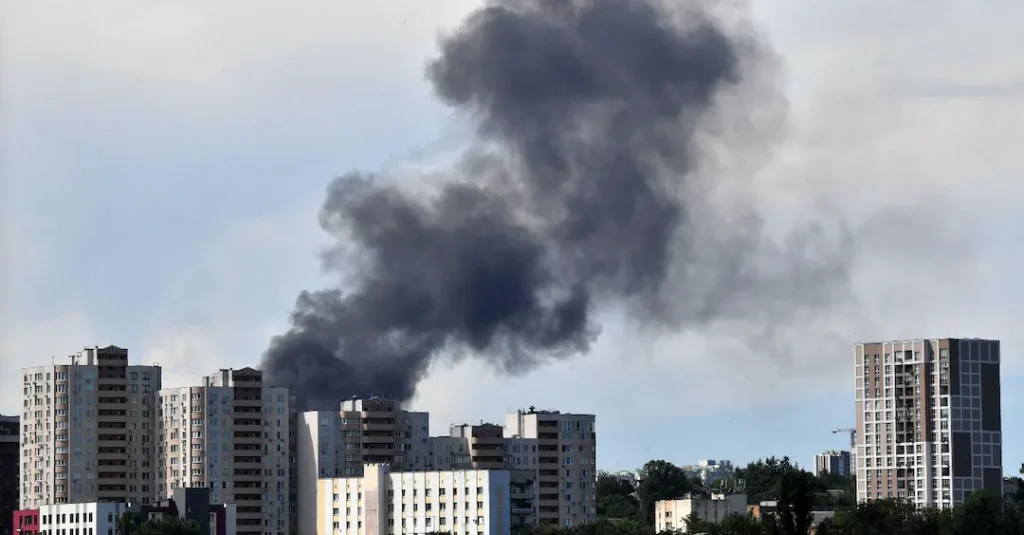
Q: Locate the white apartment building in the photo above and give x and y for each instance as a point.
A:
(90, 518)
(88, 430)
(566, 469)
(338, 443)
(929, 426)
(380, 502)
(230, 435)
(671, 515)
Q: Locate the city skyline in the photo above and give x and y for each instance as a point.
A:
(163, 197)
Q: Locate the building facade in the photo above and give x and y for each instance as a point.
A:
(88, 430)
(381, 502)
(10, 471)
(671, 515)
(88, 518)
(832, 462)
(338, 443)
(26, 521)
(929, 426)
(230, 435)
(566, 470)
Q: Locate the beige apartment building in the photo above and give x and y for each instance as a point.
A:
(929, 426)
(89, 430)
(230, 435)
(566, 467)
(332, 444)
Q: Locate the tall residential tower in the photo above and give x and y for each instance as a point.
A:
(230, 435)
(929, 427)
(88, 430)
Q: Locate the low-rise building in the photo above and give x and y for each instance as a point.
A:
(460, 502)
(92, 518)
(671, 515)
(26, 522)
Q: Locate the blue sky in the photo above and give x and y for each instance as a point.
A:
(162, 167)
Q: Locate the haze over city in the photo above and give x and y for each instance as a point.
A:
(164, 170)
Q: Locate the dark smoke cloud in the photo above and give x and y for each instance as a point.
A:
(576, 197)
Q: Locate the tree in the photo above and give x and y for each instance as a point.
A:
(616, 497)
(128, 523)
(169, 525)
(660, 480)
(795, 503)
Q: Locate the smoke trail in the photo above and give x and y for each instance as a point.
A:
(576, 197)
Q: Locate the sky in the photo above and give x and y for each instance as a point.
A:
(161, 169)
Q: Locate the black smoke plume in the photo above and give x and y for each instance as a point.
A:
(577, 196)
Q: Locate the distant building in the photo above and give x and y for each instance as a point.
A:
(710, 470)
(381, 501)
(671, 515)
(832, 462)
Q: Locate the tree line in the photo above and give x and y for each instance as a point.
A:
(626, 507)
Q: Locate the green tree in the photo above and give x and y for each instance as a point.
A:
(795, 503)
(169, 525)
(616, 498)
(660, 480)
(128, 523)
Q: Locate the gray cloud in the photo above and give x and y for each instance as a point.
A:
(586, 189)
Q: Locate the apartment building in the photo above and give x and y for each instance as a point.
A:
(88, 430)
(230, 435)
(10, 471)
(832, 462)
(460, 502)
(929, 427)
(484, 447)
(671, 515)
(339, 443)
(566, 469)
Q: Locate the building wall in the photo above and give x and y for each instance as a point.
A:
(338, 443)
(10, 471)
(94, 518)
(230, 435)
(928, 420)
(381, 502)
(89, 430)
(672, 514)
(566, 463)
(26, 521)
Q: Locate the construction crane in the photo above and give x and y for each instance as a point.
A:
(853, 437)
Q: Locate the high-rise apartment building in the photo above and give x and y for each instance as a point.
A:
(832, 462)
(88, 430)
(929, 427)
(338, 443)
(566, 463)
(10, 471)
(230, 435)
